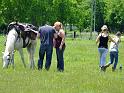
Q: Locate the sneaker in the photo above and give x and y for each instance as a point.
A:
(103, 68)
(113, 69)
(39, 68)
(60, 70)
(120, 67)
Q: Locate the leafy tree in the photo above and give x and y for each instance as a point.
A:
(114, 14)
(72, 12)
(99, 14)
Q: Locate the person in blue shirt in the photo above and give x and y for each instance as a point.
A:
(46, 34)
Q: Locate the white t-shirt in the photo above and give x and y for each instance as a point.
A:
(113, 46)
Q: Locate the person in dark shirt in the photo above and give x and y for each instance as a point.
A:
(46, 35)
(60, 47)
(103, 39)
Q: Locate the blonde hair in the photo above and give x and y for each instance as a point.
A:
(58, 24)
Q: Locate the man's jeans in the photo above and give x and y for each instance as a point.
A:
(114, 57)
(60, 59)
(103, 53)
(48, 49)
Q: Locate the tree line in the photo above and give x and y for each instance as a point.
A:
(70, 12)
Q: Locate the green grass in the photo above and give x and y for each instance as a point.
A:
(81, 73)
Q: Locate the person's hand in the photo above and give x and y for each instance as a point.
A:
(116, 44)
(60, 47)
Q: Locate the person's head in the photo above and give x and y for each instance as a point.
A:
(104, 28)
(57, 25)
(118, 34)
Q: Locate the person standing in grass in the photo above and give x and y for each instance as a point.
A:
(46, 35)
(103, 39)
(60, 46)
(114, 51)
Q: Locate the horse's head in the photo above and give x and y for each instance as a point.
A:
(8, 58)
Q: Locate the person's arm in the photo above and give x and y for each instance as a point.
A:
(119, 40)
(54, 42)
(97, 39)
(55, 35)
(112, 40)
(62, 35)
(38, 34)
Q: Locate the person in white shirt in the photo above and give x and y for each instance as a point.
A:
(114, 51)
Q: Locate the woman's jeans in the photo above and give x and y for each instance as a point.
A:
(60, 59)
(103, 52)
(114, 57)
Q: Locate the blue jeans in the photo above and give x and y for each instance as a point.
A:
(60, 59)
(48, 49)
(103, 52)
(114, 57)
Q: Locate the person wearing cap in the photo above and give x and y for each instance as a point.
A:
(46, 35)
(114, 51)
(60, 46)
(103, 39)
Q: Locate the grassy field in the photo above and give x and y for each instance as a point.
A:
(81, 75)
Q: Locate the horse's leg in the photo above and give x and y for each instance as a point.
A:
(22, 57)
(13, 60)
(4, 60)
(5, 64)
(31, 51)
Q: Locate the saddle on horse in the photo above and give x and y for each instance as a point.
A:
(24, 30)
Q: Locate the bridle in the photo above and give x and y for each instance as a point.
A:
(10, 58)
